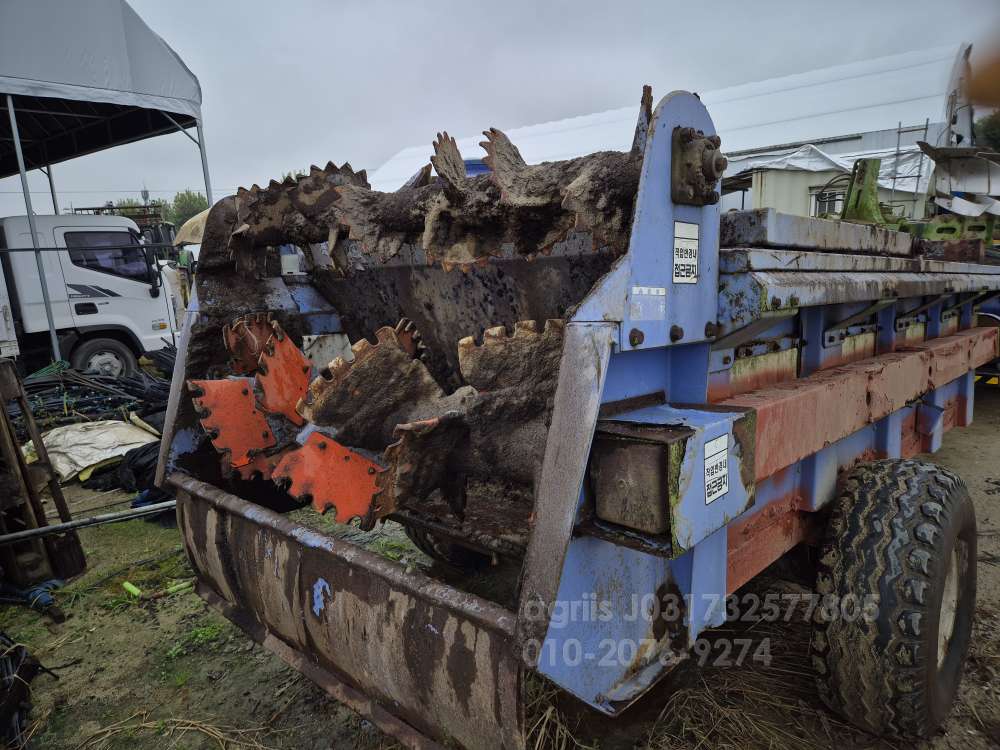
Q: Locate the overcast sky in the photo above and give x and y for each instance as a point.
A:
(287, 84)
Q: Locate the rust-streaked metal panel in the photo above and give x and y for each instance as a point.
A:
(761, 538)
(337, 688)
(331, 475)
(829, 405)
(440, 661)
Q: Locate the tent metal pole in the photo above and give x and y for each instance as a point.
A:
(31, 224)
(181, 128)
(52, 190)
(204, 164)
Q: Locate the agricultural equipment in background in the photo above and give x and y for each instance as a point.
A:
(556, 366)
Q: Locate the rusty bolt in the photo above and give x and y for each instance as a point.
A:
(371, 470)
(676, 333)
(710, 329)
(245, 391)
(712, 197)
(727, 360)
(322, 446)
(635, 337)
(715, 140)
(713, 164)
(687, 135)
(265, 433)
(775, 303)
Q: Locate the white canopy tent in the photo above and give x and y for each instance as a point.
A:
(77, 78)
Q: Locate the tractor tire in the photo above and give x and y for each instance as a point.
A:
(901, 547)
(444, 551)
(104, 357)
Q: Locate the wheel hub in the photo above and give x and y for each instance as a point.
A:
(949, 608)
(106, 363)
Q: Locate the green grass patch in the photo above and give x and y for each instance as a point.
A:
(196, 639)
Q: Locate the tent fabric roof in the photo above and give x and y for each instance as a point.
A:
(840, 100)
(912, 169)
(86, 76)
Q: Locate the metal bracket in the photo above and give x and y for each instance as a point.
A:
(839, 331)
(912, 316)
(752, 330)
(977, 298)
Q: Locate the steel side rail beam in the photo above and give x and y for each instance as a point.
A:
(797, 418)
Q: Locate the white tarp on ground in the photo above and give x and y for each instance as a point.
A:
(910, 165)
(75, 447)
(97, 51)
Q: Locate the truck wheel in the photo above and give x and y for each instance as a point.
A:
(104, 357)
(897, 579)
(443, 551)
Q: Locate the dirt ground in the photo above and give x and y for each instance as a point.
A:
(168, 673)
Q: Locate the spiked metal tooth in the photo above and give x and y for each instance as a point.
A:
(406, 476)
(339, 366)
(506, 361)
(234, 425)
(555, 325)
(245, 338)
(494, 334)
(524, 328)
(642, 123)
(331, 476)
(361, 349)
(407, 337)
(283, 376)
(420, 179)
(447, 160)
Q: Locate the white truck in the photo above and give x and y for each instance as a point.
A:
(111, 300)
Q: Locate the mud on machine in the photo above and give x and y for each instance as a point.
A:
(577, 369)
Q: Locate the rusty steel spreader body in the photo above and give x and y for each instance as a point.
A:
(664, 415)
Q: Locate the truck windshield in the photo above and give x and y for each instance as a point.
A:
(109, 252)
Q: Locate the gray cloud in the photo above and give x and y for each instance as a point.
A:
(294, 83)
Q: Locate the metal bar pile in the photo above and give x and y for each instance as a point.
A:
(59, 396)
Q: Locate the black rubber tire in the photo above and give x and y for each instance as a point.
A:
(443, 551)
(88, 348)
(891, 535)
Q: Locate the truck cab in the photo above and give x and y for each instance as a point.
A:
(110, 301)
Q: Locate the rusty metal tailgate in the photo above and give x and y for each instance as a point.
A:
(423, 660)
